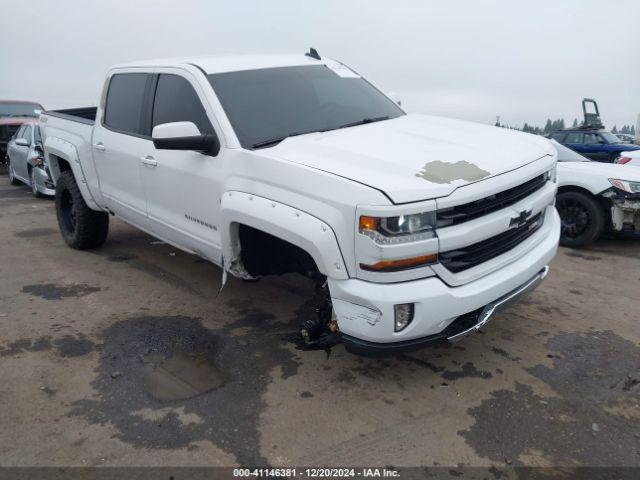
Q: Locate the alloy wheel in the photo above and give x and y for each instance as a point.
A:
(575, 218)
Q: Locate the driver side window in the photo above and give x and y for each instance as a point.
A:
(177, 101)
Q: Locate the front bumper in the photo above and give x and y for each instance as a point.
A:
(365, 310)
(461, 327)
(625, 210)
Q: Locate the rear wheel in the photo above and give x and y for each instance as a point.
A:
(81, 227)
(12, 176)
(583, 220)
(34, 186)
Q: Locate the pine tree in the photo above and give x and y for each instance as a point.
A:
(575, 123)
(548, 126)
(615, 129)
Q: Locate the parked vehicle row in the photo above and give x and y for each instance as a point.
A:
(590, 139)
(625, 138)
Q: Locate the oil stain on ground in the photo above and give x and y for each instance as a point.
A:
(35, 232)
(219, 376)
(594, 421)
(52, 291)
(67, 346)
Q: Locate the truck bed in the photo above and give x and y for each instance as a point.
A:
(84, 114)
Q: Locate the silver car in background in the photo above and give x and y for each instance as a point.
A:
(26, 160)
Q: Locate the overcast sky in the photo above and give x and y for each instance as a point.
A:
(522, 60)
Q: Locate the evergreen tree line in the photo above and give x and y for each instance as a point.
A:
(558, 124)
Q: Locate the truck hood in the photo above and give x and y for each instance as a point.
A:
(415, 157)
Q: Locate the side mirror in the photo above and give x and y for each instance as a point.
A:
(184, 136)
(22, 142)
(395, 97)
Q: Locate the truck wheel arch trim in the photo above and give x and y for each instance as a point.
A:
(283, 221)
(57, 148)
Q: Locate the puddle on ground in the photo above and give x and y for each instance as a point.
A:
(161, 364)
(180, 376)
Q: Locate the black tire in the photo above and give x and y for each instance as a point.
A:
(34, 187)
(583, 219)
(81, 227)
(12, 178)
(613, 156)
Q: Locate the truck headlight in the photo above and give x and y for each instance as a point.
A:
(399, 229)
(626, 185)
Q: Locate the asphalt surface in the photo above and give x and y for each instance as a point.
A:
(128, 355)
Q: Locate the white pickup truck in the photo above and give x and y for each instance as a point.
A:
(417, 228)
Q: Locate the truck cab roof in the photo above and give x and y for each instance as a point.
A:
(230, 63)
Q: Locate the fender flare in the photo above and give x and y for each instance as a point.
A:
(287, 223)
(55, 148)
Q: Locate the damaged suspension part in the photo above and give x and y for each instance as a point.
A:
(322, 331)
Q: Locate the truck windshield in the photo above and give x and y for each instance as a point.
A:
(10, 109)
(268, 105)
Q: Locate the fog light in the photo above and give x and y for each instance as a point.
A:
(403, 316)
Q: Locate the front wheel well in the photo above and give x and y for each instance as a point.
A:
(604, 203)
(57, 166)
(264, 254)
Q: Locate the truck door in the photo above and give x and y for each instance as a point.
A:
(117, 144)
(183, 187)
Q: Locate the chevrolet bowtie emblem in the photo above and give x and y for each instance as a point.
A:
(521, 219)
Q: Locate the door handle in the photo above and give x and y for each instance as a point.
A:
(99, 146)
(149, 161)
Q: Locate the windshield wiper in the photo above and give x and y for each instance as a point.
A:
(364, 121)
(275, 141)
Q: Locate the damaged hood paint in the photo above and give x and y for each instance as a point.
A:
(415, 157)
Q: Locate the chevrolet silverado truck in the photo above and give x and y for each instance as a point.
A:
(416, 229)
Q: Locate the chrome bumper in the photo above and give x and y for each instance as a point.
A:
(502, 304)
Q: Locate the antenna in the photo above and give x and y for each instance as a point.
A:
(313, 53)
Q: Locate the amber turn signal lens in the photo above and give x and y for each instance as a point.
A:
(404, 264)
(368, 223)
